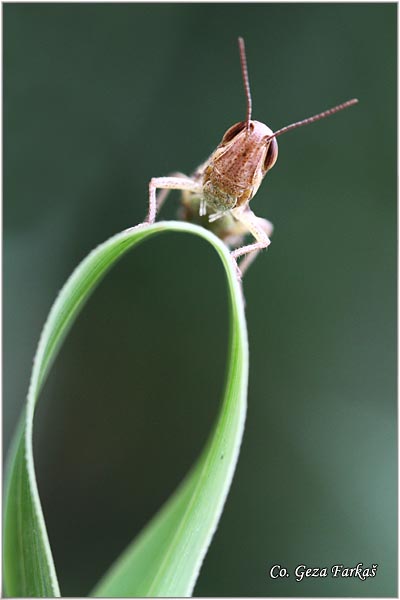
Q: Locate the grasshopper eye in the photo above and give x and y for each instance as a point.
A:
(233, 131)
(272, 155)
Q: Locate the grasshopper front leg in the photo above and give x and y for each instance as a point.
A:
(163, 195)
(168, 183)
(261, 229)
(249, 258)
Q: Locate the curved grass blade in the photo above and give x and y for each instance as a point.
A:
(166, 557)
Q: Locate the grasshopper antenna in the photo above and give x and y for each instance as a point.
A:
(326, 113)
(245, 75)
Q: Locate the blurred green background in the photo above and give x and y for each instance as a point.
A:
(98, 98)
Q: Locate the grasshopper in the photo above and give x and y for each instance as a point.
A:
(218, 193)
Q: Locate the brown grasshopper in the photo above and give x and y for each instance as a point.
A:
(218, 193)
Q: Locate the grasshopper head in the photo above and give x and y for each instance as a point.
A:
(249, 138)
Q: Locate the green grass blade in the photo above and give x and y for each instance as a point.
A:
(166, 557)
